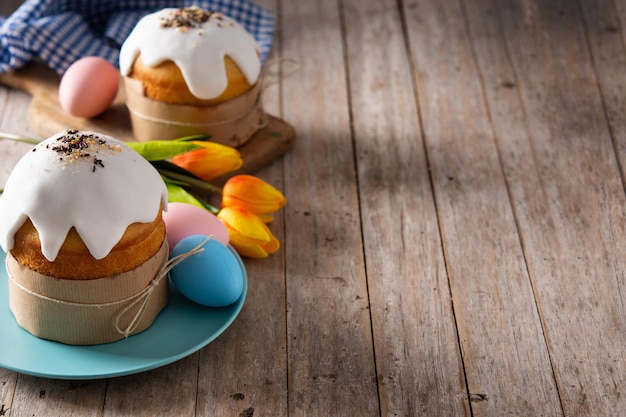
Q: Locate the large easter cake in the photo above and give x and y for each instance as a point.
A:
(190, 71)
(81, 223)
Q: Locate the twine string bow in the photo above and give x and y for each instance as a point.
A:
(143, 297)
(255, 115)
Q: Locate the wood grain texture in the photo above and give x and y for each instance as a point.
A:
(8, 380)
(454, 239)
(13, 105)
(504, 354)
(48, 397)
(156, 392)
(570, 204)
(244, 372)
(603, 23)
(331, 370)
(417, 353)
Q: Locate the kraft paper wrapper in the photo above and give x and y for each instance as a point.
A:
(230, 123)
(84, 312)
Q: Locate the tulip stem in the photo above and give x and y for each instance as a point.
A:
(17, 138)
(192, 181)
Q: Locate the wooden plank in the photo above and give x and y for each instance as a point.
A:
(244, 372)
(8, 380)
(504, 354)
(331, 370)
(169, 391)
(566, 190)
(605, 23)
(55, 398)
(12, 121)
(417, 352)
(8, 6)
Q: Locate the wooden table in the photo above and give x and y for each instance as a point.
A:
(454, 240)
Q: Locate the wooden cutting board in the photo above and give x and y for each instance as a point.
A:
(47, 118)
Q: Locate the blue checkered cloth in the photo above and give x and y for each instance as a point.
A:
(58, 32)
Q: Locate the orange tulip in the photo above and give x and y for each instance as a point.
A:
(252, 193)
(248, 234)
(211, 161)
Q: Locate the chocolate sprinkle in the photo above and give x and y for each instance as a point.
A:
(188, 17)
(74, 145)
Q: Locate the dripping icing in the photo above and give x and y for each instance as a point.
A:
(159, 40)
(84, 180)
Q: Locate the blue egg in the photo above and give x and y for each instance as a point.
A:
(213, 277)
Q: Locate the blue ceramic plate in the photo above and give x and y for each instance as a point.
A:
(181, 329)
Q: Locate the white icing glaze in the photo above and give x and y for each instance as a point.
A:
(198, 51)
(58, 191)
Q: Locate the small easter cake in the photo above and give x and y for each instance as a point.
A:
(190, 71)
(81, 224)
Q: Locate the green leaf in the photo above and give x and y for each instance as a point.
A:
(159, 150)
(177, 194)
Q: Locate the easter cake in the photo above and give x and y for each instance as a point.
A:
(81, 223)
(189, 71)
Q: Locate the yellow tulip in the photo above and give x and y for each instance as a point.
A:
(253, 193)
(211, 161)
(248, 234)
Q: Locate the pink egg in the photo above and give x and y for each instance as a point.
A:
(88, 87)
(183, 220)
